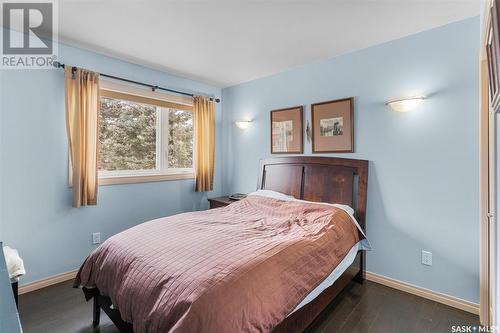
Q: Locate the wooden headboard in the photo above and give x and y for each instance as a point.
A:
(320, 179)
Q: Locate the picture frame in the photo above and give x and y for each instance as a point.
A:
(333, 126)
(287, 130)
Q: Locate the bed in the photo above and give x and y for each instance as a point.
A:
(241, 267)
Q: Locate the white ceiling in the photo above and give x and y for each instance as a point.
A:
(229, 42)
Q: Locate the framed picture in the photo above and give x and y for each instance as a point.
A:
(286, 130)
(333, 126)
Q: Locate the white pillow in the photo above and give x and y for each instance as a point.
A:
(286, 197)
(273, 194)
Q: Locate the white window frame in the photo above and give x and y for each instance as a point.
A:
(161, 172)
(163, 102)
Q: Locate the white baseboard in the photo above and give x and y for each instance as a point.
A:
(55, 279)
(392, 283)
(425, 293)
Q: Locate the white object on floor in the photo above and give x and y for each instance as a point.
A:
(15, 265)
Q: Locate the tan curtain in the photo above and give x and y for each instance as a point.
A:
(82, 124)
(204, 136)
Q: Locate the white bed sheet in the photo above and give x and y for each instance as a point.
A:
(334, 275)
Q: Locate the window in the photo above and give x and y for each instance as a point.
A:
(143, 139)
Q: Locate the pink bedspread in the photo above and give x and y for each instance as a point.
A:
(241, 268)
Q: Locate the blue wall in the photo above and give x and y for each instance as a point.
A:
(36, 216)
(423, 180)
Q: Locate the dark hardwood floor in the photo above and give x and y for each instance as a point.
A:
(360, 308)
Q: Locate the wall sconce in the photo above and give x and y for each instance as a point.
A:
(243, 124)
(405, 104)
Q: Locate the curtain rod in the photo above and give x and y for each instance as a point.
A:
(153, 87)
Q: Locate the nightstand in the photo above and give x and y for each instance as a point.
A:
(220, 202)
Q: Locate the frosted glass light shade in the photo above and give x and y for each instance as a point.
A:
(242, 124)
(405, 104)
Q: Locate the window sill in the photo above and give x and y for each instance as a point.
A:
(133, 179)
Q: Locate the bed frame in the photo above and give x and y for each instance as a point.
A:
(325, 179)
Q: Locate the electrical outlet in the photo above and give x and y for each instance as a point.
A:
(96, 238)
(426, 258)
